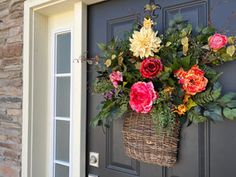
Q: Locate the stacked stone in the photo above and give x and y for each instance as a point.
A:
(11, 43)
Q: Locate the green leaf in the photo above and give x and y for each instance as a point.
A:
(231, 104)
(195, 116)
(176, 64)
(210, 73)
(226, 57)
(164, 76)
(229, 113)
(186, 31)
(231, 40)
(210, 95)
(185, 61)
(214, 112)
(110, 111)
(191, 104)
(118, 111)
(230, 50)
(102, 85)
(206, 47)
(216, 77)
(227, 98)
(208, 30)
(102, 46)
(168, 44)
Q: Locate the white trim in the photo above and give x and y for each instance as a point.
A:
(52, 99)
(79, 91)
(43, 8)
(26, 65)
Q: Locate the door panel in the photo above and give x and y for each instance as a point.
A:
(222, 139)
(201, 145)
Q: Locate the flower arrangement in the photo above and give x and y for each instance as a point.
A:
(170, 76)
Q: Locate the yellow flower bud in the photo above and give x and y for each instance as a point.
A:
(147, 23)
(108, 63)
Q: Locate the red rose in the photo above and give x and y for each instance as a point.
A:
(142, 95)
(217, 41)
(151, 67)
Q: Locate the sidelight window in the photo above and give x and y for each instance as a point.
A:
(62, 105)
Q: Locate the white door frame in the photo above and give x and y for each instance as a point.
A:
(36, 13)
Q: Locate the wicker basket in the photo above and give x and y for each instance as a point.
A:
(143, 143)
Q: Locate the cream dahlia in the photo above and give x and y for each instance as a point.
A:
(144, 43)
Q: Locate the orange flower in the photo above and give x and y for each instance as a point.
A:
(180, 74)
(181, 109)
(196, 71)
(193, 81)
(168, 89)
(194, 84)
(186, 98)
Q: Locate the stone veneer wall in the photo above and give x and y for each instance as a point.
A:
(11, 36)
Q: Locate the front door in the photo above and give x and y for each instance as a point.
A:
(206, 150)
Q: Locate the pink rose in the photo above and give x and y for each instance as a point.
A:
(142, 95)
(217, 41)
(115, 77)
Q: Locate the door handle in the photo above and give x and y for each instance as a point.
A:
(94, 159)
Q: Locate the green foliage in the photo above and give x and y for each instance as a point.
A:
(102, 85)
(210, 95)
(119, 110)
(204, 34)
(185, 62)
(111, 109)
(195, 116)
(229, 113)
(101, 117)
(211, 74)
(163, 117)
(228, 104)
(213, 112)
(227, 98)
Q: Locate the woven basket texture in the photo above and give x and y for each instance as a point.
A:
(142, 142)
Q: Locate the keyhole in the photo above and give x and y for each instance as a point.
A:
(93, 159)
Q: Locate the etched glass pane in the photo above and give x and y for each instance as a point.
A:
(62, 140)
(63, 97)
(61, 171)
(63, 53)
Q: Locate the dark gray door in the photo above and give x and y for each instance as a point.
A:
(206, 150)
